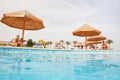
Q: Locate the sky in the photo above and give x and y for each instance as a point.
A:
(62, 17)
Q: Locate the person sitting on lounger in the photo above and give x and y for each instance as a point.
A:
(104, 45)
(15, 41)
(21, 41)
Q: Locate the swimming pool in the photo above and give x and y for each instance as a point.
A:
(36, 64)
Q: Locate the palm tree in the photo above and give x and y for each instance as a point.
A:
(67, 43)
(47, 44)
(50, 43)
(75, 42)
(109, 41)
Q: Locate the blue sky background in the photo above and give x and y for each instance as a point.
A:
(61, 17)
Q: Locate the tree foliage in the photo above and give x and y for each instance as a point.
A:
(30, 43)
(43, 42)
(109, 41)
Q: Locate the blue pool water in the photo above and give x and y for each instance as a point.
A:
(36, 64)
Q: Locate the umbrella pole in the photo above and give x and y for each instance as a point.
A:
(96, 45)
(23, 29)
(85, 43)
(23, 34)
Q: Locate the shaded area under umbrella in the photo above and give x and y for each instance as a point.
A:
(93, 42)
(23, 20)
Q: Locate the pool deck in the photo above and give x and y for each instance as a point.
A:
(31, 48)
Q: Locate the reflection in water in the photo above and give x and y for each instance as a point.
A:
(10, 67)
(95, 68)
(90, 68)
